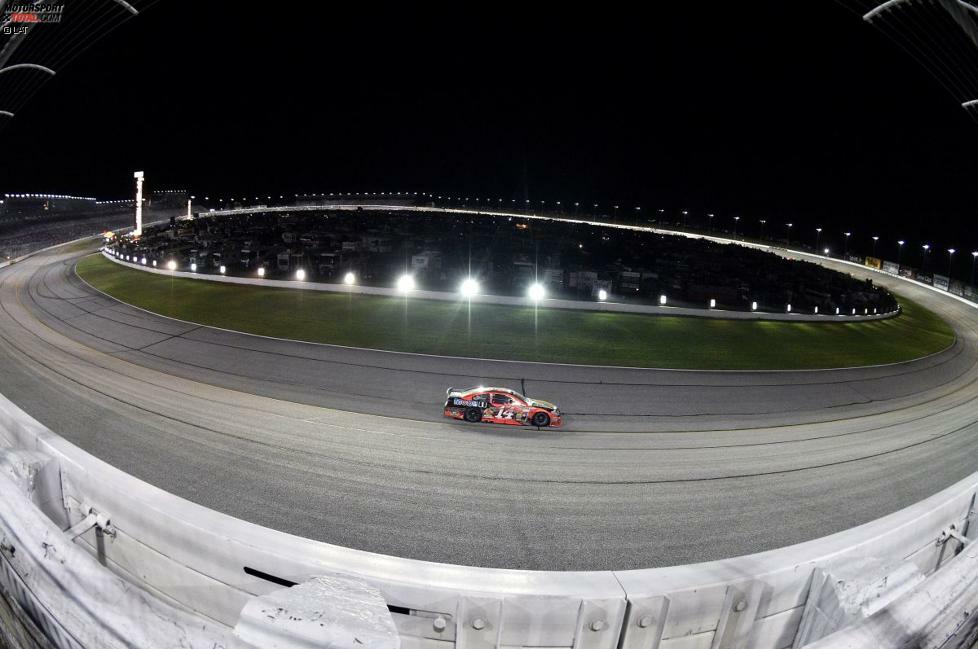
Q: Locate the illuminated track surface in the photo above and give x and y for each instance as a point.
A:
(348, 446)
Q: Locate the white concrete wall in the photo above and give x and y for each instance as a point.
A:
(579, 305)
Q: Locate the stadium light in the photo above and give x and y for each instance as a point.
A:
(154, 263)
(713, 303)
(143, 261)
(171, 265)
(261, 271)
(836, 310)
(536, 292)
(816, 310)
(193, 268)
(405, 283)
(662, 300)
(753, 306)
(300, 274)
(826, 251)
(789, 308)
(602, 295)
(469, 288)
(349, 278)
(223, 269)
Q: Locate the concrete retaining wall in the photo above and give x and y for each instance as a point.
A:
(578, 305)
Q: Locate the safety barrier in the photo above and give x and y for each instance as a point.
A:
(579, 305)
(209, 566)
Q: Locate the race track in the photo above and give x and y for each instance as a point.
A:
(654, 467)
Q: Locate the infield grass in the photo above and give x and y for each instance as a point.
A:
(522, 333)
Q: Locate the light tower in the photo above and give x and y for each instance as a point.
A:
(139, 203)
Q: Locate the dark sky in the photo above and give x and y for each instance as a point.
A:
(786, 110)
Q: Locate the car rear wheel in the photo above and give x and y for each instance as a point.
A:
(473, 415)
(540, 420)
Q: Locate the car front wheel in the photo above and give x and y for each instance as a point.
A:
(473, 415)
(540, 420)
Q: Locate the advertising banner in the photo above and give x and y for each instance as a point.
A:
(873, 262)
(907, 271)
(926, 279)
(890, 267)
(941, 282)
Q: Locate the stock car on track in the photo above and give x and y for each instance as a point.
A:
(500, 406)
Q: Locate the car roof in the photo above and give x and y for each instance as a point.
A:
(485, 388)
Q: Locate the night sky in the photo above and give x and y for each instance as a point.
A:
(789, 111)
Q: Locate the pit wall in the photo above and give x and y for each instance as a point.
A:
(579, 305)
(196, 570)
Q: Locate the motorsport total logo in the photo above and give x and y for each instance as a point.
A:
(19, 18)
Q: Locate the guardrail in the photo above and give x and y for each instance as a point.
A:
(211, 566)
(578, 305)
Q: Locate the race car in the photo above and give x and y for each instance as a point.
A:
(500, 406)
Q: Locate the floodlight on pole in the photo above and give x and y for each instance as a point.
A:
(536, 292)
(469, 288)
(300, 275)
(138, 231)
(349, 278)
(405, 283)
(261, 271)
(602, 295)
(171, 265)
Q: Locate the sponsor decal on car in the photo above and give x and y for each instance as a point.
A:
(469, 403)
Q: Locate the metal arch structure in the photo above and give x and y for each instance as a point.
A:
(27, 66)
(961, 80)
(16, 40)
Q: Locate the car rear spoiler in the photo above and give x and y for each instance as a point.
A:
(449, 391)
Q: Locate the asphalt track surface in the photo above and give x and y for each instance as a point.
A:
(348, 446)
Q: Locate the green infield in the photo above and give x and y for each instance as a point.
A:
(524, 333)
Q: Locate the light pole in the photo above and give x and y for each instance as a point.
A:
(899, 251)
(950, 258)
(736, 218)
(818, 237)
(789, 233)
(763, 221)
(923, 261)
(845, 245)
(875, 239)
(710, 222)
